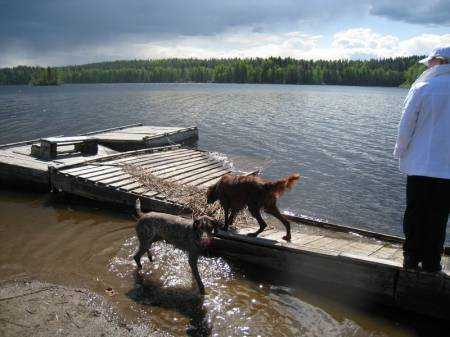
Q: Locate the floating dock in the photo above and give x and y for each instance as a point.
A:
(368, 267)
(106, 179)
(19, 165)
(365, 263)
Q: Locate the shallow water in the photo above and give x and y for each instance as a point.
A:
(61, 240)
(339, 138)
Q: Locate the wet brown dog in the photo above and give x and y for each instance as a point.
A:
(237, 192)
(182, 233)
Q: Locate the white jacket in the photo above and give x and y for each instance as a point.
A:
(423, 141)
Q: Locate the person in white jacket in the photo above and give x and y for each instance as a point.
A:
(423, 150)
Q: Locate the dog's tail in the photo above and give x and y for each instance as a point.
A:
(138, 208)
(280, 186)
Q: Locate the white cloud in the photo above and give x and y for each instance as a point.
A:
(365, 43)
(233, 44)
(355, 43)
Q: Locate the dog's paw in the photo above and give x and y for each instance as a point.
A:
(287, 238)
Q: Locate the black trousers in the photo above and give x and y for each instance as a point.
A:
(425, 219)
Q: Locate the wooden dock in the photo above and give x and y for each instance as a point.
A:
(370, 269)
(106, 179)
(365, 263)
(19, 166)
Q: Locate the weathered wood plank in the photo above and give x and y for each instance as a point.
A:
(179, 164)
(193, 172)
(206, 173)
(185, 168)
(101, 170)
(102, 177)
(362, 248)
(185, 177)
(79, 169)
(140, 190)
(337, 245)
(386, 252)
(210, 182)
(324, 241)
(131, 186)
(174, 162)
(303, 239)
(141, 159)
(207, 178)
(112, 179)
(123, 182)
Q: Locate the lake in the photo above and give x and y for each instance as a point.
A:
(340, 139)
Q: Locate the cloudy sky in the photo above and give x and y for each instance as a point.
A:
(60, 32)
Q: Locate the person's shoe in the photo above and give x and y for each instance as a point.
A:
(410, 262)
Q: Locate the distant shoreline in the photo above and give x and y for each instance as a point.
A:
(206, 83)
(389, 72)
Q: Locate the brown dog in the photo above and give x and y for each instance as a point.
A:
(237, 192)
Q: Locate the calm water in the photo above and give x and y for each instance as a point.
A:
(340, 139)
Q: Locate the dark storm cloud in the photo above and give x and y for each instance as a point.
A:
(434, 12)
(66, 23)
(62, 31)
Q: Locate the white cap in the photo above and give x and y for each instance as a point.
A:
(439, 52)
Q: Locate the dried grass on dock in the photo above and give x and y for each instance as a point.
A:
(187, 195)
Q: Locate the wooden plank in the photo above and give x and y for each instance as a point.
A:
(102, 170)
(185, 177)
(191, 170)
(398, 256)
(209, 182)
(198, 174)
(319, 243)
(122, 155)
(96, 173)
(386, 252)
(338, 245)
(79, 169)
(141, 190)
(110, 195)
(201, 181)
(150, 193)
(303, 239)
(185, 167)
(362, 248)
(66, 139)
(174, 162)
(114, 179)
(131, 186)
(105, 177)
(143, 158)
(122, 182)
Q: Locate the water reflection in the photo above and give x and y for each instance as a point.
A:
(187, 302)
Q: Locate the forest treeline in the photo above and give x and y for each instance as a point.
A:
(377, 72)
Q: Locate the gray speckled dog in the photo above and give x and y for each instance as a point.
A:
(182, 233)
